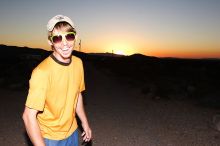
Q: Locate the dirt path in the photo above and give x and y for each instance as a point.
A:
(121, 116)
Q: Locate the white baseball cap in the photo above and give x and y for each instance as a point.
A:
(58, 18)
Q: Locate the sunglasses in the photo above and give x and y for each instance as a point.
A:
(69, 36)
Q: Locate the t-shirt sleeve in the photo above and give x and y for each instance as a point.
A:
(82, 83)
(37, 90)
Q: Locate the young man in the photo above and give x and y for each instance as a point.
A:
(54, 96)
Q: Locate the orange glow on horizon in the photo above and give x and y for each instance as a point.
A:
(127, 49)
(120, 48)
(198, 53)
(119, 52)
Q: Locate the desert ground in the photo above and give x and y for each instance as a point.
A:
(120, 114)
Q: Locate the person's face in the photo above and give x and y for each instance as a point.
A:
(63, 43)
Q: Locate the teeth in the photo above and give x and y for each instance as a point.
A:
(65, 49)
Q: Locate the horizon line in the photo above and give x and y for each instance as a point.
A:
(171, 57)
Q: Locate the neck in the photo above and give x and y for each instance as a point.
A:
(61, 62)
(62, 59)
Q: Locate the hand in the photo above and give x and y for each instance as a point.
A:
(87, 134)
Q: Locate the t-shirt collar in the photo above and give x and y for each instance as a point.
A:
(59, 62)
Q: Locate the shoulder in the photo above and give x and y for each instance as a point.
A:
(76, 60)
(43, 67)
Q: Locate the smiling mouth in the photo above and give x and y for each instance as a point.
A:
(65, 49)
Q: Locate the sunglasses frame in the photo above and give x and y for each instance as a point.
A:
(63, 35)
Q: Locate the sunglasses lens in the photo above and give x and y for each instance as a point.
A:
(57, 39)
(70, 37)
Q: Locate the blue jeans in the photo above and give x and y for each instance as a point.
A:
(72, 140)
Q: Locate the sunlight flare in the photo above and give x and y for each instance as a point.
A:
(119, 52)
(121, 49)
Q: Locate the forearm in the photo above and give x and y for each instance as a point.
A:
(80, 111)
(33, 130)
(83, 118)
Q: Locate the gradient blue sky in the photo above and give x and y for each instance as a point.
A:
(174, 28)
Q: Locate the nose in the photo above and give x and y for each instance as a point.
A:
(64, 41)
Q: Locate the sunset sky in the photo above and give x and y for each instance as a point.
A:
(162, 28)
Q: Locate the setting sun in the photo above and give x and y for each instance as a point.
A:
(119, 52)
(120, 49)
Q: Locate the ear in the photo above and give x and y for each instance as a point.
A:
(49, 42)
(76, 38)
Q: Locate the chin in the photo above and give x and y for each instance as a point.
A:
(66, 56)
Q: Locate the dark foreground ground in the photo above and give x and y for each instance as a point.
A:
(133, 101)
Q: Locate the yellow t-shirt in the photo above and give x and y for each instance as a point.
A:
(54, 90)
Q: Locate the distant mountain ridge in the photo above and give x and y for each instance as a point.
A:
(14, 51)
